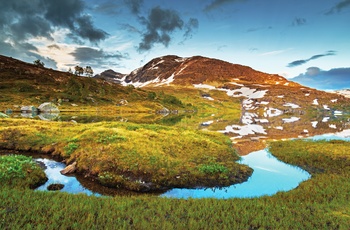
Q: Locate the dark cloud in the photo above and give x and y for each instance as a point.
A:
(134, 5)
(192, 24)
(301, 62)
(299, 22)
(86, 30)
(95, 57)
(218, 3)
(54, 46)
(160, 23)
(333, 79)
(339, 7)
(22, 19)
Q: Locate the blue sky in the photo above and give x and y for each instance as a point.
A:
(275, 36)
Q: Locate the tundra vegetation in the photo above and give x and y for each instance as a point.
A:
(319, 203)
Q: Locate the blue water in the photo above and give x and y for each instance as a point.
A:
(269, 177)
(71, 184)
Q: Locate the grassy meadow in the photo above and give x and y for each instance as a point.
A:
(137, 157)
(319, 203)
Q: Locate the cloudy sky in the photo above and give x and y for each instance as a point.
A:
(286, 37)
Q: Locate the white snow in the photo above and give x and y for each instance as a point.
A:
(294, 106)
(334, 100)
(287, 83)
(280, 96)
(326, 107)
(207, 123)
(290, 120)
(314, 124)
(245, 92)
(204, 86)
(332, 126)
(208, 98)
(264, 102)
(272, 112)
(167, 81)
(244, 130)
(305, 131)
(315, 102)
(279, 127)
(262, 120)
(325, 119)
(307, 94)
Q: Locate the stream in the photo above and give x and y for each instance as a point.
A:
(270, 176)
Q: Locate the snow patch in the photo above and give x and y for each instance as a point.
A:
(333, 126)
(272, 112)
(294, 106)
(326, 107)
(204, 86)
(338, 113)
(290, 120)
(314, 124)
(244, 130)
(315, 102)
(279, 127)
(280, 96)
(208, 98)
(325, 119)
(334, 100)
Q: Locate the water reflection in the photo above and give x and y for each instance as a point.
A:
(71, 184)
(269, 177)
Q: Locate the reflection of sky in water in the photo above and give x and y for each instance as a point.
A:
(270, 176)
(71, 184)
(343, 136)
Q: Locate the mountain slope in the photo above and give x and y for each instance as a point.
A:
(23, 83)
(195, 70)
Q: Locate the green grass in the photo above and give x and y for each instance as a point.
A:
(137, 157)
(322, 202)
(20, 171)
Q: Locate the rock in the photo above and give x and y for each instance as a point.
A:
(69, 169)
(55, 187)
(48, 107)
(29, 109)
(2, 115)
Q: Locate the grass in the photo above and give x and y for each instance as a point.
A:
(319, 203)
(137, 157)
(20, 172)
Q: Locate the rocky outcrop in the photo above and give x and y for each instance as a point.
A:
(69, 169)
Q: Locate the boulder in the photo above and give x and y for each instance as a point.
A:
(48, 107)
(29, 109)
(69, 169)
(55, 187)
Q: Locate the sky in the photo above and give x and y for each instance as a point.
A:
(285, 37)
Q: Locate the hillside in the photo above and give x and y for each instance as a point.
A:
(27, 84)
(271, 106)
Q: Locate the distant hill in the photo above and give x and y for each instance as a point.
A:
(334, 79)
(24, 83)
(111, 76)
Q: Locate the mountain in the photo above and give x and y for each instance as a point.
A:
(334, 79)
(111, 76)
(174, 70)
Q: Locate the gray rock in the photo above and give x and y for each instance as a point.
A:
(48, 107)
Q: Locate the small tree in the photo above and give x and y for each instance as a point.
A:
(78, 70)
(88, 71)
(39, 63)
